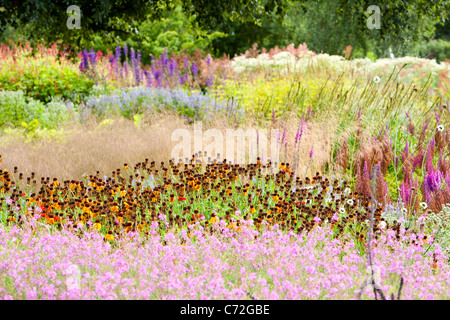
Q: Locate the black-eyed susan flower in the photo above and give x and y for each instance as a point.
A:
(109, 236)
(213, 219)
(97, 225)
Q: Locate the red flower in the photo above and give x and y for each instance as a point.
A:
(181, 199)
(23, 194)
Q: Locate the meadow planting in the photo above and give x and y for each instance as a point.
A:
(96, 205)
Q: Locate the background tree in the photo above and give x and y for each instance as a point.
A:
(326, 25)
(116, 19)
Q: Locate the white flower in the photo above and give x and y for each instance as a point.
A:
(376, 79)
(440, 128)
(423, 205)
(347, 190)
(382, 224)
(350, 202)
(404, 210)
(341, 210)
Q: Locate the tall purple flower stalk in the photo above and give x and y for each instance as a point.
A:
(84, 66)
(92, 58)
(172, 67)
(194, 68)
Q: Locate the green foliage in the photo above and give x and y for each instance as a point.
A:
(21, 111)
(175, 31)
(271, 32)
(116, 19)
(435, 49)
(329, 26)
(41, 75)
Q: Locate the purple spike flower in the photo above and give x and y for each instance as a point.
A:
(194, 68)
(165, 59)
(301, 129)
(92, 57)
(118, 53)
(172, 67)
(433, 180)
(147, 77)
(158, 77)
(84, 66)
(405, 192)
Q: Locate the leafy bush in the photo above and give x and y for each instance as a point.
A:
(20, 111)
(41, 74)
(435, 49)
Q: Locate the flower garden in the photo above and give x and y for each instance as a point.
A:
(93, 206)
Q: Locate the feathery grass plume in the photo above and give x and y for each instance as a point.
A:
(406, 160)
(382, 191)
(365, 183)
(404, 193)
(414, 202)
(342, 157)
(429, 156)
(418, 158)
(386, 151)
(446, 191)
(411, 128)
(443, 165)
(423, 133)
(438, 138)
(362, 182)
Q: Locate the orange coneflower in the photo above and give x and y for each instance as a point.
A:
(214, 219)
(109, 236)
(97, 225)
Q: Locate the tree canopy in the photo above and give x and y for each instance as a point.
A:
(325, 25)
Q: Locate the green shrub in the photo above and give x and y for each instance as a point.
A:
(17, 110)
(41, 75)
(176, 31)
(435, 49)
